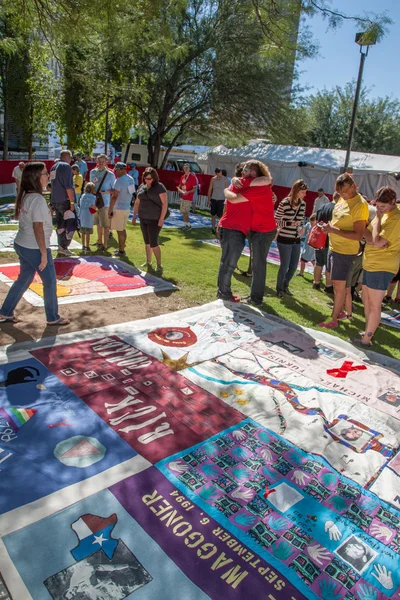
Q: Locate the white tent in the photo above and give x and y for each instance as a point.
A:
(320, 166)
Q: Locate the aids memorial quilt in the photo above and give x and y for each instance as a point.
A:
(211, 453)
(91, 278)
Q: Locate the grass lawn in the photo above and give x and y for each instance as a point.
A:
(193, 267)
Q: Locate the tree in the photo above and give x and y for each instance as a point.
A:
(327, 115)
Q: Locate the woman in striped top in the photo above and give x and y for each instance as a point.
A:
(290, 218)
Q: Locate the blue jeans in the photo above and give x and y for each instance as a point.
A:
(260, 242)
(289, 255)
(30, 260)
(232, 244)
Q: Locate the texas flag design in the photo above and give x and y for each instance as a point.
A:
(94, 533)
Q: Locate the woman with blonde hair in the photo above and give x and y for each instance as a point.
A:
(381, 259)
(290, 218)
(346, 230)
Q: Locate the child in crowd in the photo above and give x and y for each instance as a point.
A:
(86, 214)
(308, 254)
(78, 183)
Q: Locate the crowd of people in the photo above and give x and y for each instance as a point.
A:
(361, 250)
(362, 247)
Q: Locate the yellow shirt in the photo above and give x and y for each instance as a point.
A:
(345, 214)
(78, 182)
(385, 259)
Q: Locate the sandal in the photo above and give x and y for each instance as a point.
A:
(358, 342)
(60, 323)
(8, 319)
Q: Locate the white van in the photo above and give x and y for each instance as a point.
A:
(138, 154)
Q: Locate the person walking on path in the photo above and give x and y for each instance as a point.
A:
(104, 180)
(349, 219)
(290, 218)
(186, 188)
(216, 198)
(381, 260)
(63, 201)
(151, 205)
(118, 212)
(32, 244)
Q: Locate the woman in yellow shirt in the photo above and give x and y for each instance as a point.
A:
(346, 229)
(381, 259)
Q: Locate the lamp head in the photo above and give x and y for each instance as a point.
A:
(366, 38)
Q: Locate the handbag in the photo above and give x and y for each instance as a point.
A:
(167, 214)
(99, 197)
(317, 237)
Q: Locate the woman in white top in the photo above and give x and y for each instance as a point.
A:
(32, 244)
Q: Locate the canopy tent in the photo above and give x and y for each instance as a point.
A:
(319, 167)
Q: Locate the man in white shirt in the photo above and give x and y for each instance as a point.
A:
(17, 174)
(320, 201)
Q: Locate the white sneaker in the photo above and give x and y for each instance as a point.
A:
(184, 227)
(64, 251)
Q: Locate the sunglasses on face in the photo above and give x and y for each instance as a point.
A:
(248, 169)
(148, 178)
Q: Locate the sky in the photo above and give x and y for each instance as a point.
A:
(339, 55)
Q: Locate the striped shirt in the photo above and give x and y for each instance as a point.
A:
(285, 216)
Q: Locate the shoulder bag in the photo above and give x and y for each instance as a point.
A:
(99, 196)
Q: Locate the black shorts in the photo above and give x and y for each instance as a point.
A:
(339, 265)
(217, 207)
(321, 257)
(150, 231)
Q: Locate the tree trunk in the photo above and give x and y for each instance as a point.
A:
(5, 128)
(154, 148)
(5, 110)
(30, 136)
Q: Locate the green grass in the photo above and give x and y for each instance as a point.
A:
(193, 267)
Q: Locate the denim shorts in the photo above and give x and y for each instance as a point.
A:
(377, 280)
(339, 265)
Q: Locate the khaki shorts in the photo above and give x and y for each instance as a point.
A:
(186, 205)
(101, 217)
(119, 220)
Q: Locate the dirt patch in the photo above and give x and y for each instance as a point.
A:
(85, 315)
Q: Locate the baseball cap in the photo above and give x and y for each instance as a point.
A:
(133, 165)
(120, 165)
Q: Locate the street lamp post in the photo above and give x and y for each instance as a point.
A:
(364, 41)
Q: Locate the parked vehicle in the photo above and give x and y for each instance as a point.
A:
(138, 154)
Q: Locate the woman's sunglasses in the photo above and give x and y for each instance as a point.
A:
(148, 178)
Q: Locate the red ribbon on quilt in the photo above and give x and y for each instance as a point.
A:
(347, 367)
